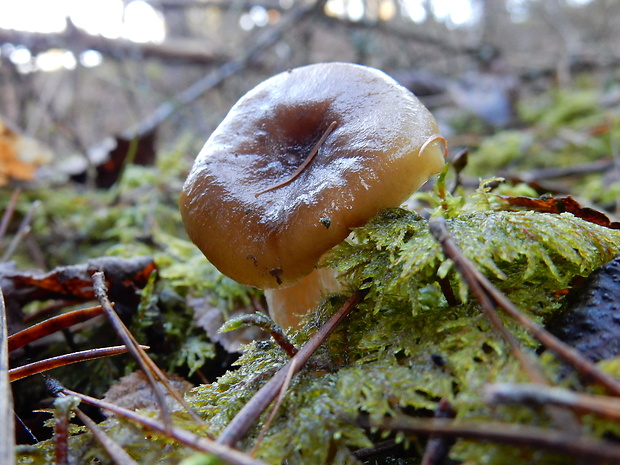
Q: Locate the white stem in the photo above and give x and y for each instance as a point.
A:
(287, 306)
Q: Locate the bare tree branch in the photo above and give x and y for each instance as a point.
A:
(77, 41)
(216, 77)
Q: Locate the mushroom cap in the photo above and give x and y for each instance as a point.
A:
(372, 160)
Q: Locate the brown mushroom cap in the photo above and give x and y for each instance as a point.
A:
(272, 237)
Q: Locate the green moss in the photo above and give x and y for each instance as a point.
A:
(562, 107)
(500, 151)
(406, 347)
(559, 129)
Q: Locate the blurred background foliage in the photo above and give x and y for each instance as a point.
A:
(531, 88)
(86, 80)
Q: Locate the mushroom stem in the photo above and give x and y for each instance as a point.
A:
(287, 306)
(306, 162)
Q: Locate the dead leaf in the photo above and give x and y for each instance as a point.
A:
(19, 155)
(119, 151)
(561, 205)
(124, 276)
(590, 320)
(211, 319)
(135, 392)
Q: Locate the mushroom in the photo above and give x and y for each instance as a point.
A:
(298, 161)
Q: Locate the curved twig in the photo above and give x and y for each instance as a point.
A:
(305, 163)
(476, 280)
(66, 359)
(251, 411)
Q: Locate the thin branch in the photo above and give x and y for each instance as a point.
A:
(440, 232)
(488, 302)
(33, 368)
(150, 369)
(306, 162)
(554, 172)
(51, 325)
(188, 438)
(62, 411)
(77, 41)
(114, 450)
(251, 411)
(471, 274)
(265, 323)
(535, 396)
(274, 410)
(404, 32)
(7, 436)
(570, 444)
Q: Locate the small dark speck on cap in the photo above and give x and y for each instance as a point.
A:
(276, 273)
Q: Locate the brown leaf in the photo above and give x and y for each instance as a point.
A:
(124, 276)
(135, 392)
(19, 156)
(211, 319)
(139, 151)
(561, 205)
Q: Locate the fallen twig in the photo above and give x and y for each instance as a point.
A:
(251, 411)
(568, 443)
(493, 297)
(66, 359)
(150, 369)
(554, 172)
(7, 436)
(274, 410)
(65, 404)
(51, 325)
(114, 450)
(188, 438)
(536, 396)
(265, 323)
(489, 301)
(62, 412)
(439, 230)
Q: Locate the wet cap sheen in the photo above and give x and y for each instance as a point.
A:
(263, 228)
